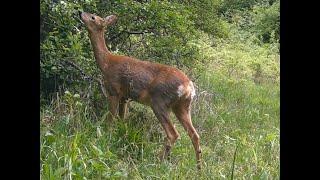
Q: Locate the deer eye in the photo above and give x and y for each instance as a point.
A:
(92, 18)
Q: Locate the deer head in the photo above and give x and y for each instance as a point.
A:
(95, 23)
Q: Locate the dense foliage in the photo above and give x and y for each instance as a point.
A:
(230, 49)
(161, 31)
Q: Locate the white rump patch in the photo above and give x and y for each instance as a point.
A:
(180, 90)
(187, 90)
(191, 90)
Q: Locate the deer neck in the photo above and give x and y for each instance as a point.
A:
(101, 52)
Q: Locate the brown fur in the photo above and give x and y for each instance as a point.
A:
(159, 86)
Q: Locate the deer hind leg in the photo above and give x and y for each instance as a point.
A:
(182, 112)
(162, 113)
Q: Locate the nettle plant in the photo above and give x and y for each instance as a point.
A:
(72, 101)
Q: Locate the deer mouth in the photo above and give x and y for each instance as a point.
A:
(80, 19)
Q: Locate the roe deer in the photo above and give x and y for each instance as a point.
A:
(159, 86)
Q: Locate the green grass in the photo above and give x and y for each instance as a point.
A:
(76, 143)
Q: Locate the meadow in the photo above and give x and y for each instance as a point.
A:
(238, 121)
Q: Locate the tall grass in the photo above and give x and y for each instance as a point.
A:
(76, 143)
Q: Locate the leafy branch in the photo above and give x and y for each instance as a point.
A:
(85, 74)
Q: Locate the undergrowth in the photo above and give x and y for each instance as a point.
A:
(78, 144)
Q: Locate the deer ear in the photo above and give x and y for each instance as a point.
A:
(110, 19)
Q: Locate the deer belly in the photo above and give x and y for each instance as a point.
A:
(143, 97)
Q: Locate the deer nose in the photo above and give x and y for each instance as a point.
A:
(80, 13)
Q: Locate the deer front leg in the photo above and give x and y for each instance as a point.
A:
(113, 102)
(123, 109)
